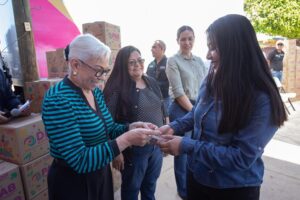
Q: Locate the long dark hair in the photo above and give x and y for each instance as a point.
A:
(120, 81)
(242, 71)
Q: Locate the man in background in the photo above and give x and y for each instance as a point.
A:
(8, 100)
(275, 60)
(157, 69)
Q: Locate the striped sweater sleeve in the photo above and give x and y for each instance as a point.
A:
(64, 136)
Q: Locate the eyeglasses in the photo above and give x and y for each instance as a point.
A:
(100, 72)
(280, 44)
(132, 63)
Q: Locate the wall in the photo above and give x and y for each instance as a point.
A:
(291, 70)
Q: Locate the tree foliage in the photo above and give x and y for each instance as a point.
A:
(275, 17)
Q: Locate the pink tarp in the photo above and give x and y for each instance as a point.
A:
(51, 30)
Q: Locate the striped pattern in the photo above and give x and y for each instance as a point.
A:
(76, 133)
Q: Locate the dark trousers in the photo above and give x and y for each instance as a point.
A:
(196, 191)
(65, 184)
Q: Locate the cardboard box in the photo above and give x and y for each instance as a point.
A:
(108, 33)
(36, 90)
(42, 196)
(112, 58)
(10, 182)
(56, 64)
(34, 176)
(23, 139)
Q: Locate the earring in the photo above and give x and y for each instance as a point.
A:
(74, 73)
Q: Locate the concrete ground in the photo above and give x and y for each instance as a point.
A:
(282, 165)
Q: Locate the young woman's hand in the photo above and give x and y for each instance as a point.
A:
(170, 144)
(166, 130)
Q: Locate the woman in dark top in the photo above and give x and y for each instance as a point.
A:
(83, 137)
(132, 96)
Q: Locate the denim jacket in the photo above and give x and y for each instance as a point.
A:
(8, 100)
(227, 160)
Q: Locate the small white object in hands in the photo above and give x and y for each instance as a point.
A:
(155, 138)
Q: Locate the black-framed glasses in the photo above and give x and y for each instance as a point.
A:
(132, 63)
(280, 44)
(99, 72)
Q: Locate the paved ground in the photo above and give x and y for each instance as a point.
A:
(282, 166)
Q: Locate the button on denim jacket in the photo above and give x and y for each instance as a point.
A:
(226, 160)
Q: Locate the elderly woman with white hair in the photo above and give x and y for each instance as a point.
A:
(83, 137)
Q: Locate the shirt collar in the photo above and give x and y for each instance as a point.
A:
(185, 57)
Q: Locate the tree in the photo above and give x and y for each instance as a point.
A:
(275, 17)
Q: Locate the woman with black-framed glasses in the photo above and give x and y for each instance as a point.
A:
(83, 137)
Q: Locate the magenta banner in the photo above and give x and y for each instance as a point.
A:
(52, 28)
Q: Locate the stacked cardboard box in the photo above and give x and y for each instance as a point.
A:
(56, 63)
(42, 196)
(23, 140)
(34, 176)
(105, 32)
(36, 90)
(10, 182)
(113, 56)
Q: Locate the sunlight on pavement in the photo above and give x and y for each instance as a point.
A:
(283, 151)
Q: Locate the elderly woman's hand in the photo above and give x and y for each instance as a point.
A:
(118, 162)
(170, 144)
(137, 137)
(146, 125)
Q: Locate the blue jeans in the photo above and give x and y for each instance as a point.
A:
(180, 162)
(141, 172)
(277, 74)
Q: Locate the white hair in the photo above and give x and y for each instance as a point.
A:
(85, 47)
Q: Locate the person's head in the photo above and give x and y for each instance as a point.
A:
(158, 49)
(66, 52)
(88, 61)
(128, 63)
(185, 39)
(279, 45)
(128, 67)
(238, 69)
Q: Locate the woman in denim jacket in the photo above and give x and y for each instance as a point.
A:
(237, 112)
